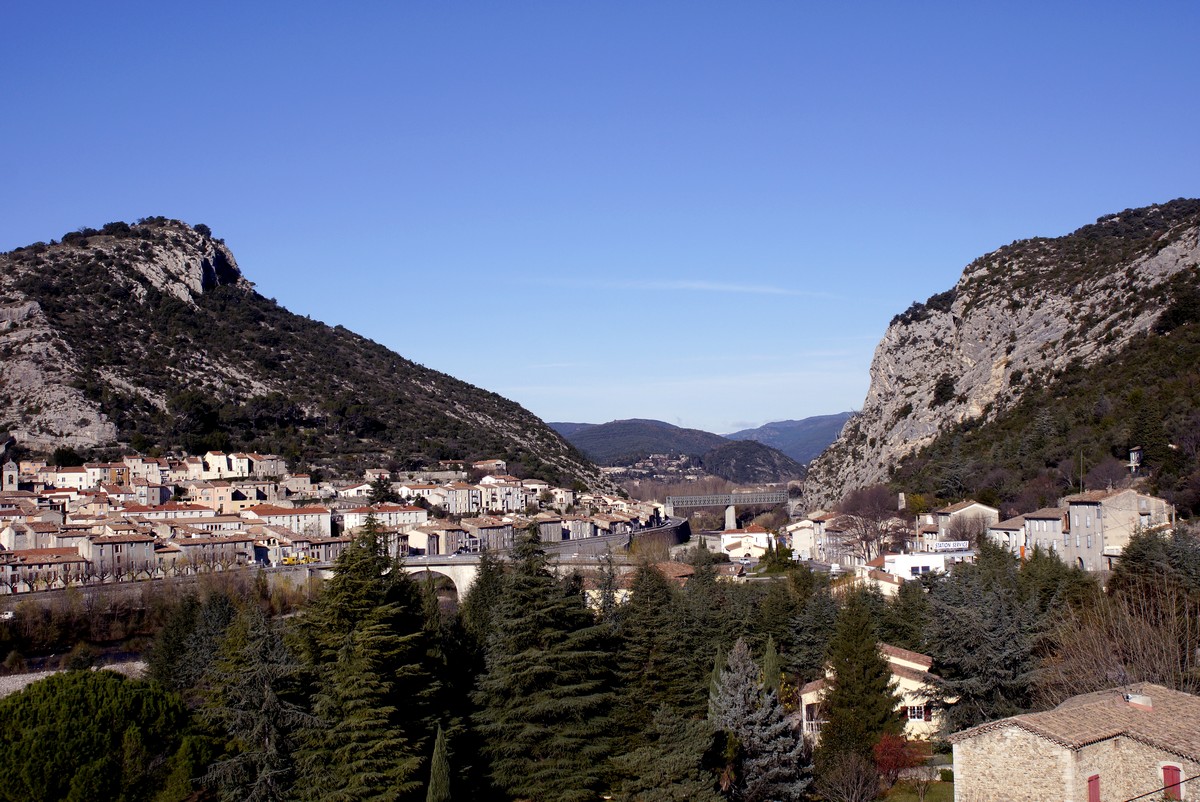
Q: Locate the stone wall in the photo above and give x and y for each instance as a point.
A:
(1129, 768)
(1010, 765)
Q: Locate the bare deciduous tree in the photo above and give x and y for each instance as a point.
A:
(870, 520)
(1142, 636)
(847, 777)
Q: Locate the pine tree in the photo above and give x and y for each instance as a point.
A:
(439, 771)
(370, 655)
(645, 644)
(764, 757)
(670, 766)
(860, 702)
(545, 696)
(981, 640)
(811, 630)
(252, 701)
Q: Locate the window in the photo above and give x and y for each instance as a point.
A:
(1171, 782)
(1089, 541)
(916, 713)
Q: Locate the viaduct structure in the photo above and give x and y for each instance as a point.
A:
(729, 501)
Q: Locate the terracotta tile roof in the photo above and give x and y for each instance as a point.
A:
(905, 654)
(677, 572)
(45, 555)
(1048, 513)
(1011, 523)
(1172, 723)
(270, 509)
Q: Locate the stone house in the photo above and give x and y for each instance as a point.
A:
(1102, 521)
(1139, 741)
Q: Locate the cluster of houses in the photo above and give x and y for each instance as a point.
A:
(1088, 530)
(144, 517)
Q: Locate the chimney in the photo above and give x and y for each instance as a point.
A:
(1139, 701)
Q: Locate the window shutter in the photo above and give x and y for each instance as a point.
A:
(1171, 782)
(929, 717)
(1094, 788)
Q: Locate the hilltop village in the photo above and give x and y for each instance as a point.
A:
(144, 517)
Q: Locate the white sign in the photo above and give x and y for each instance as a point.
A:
(951, 545)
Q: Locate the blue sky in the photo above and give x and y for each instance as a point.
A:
(700, 212)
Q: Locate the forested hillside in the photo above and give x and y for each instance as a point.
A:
(148, 335)
(623, 442)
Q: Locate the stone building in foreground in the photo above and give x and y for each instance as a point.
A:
(1106, 746)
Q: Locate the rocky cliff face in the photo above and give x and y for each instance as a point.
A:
(1017, 316)
(43, 407)
(148, 334)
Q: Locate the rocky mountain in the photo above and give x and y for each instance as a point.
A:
(148, 335)
(1045, 318)
(750, 462)
(623, 442)
(802, 440)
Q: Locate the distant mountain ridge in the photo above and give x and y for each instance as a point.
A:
(147, 335)
(624, 442)
(802, 440)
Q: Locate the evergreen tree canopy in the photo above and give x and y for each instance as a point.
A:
(859, 702)
(438, 789)
(764, 757)
(88, 735)
(670, 766)
(545, 698)
(812, 628)
(981, 640)
(252, 701)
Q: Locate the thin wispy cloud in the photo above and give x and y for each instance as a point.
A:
(692, 285)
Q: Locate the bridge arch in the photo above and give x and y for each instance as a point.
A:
(461, 575)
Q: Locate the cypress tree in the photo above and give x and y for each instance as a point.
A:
(772, 668)
(439, 771)
(545, 697)
(860, 702)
